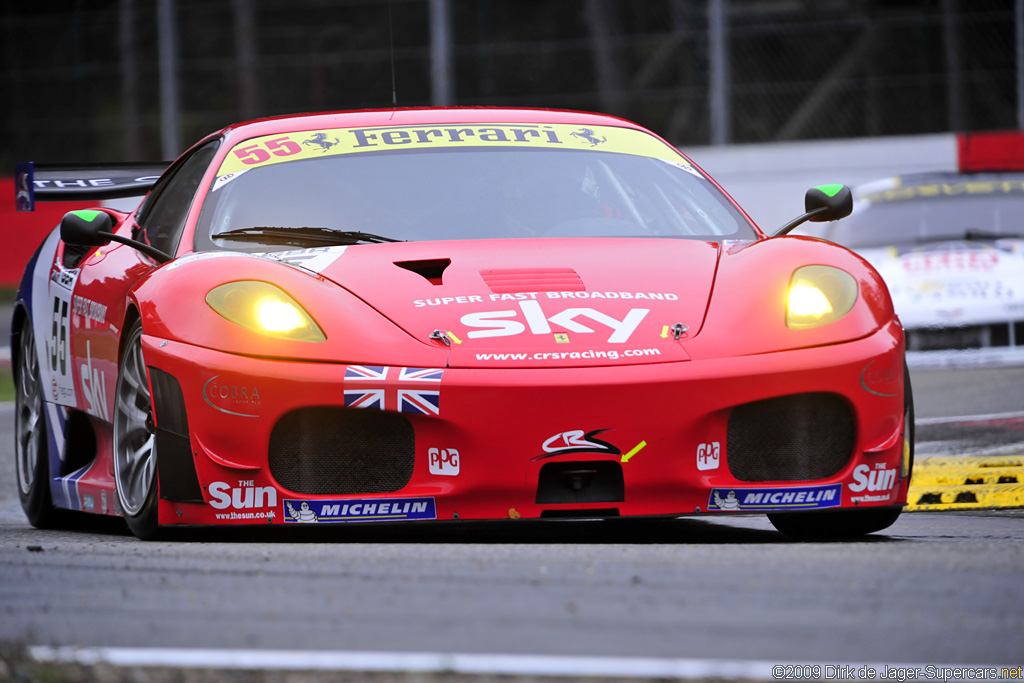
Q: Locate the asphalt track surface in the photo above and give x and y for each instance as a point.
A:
(936, 588)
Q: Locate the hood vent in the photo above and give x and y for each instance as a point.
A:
(430, 269)
(533, 280)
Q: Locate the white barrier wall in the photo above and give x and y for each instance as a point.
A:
(769, 180)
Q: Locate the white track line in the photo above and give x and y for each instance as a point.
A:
(497, 664)
(968, 418)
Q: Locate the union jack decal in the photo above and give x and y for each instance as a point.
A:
(420, 374)
(389, 389)
(373, 373)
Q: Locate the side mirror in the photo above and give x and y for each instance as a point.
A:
(91, 228)
(836, 200)
(87, 228)
(822, 203)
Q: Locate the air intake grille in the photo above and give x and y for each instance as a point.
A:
(790, 438)
(335, 451)
(73, 255)
(533, 280)
(581, 482)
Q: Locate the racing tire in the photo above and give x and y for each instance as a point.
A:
(31, 447)
(852, 523)
(834, 525)
(135, 456)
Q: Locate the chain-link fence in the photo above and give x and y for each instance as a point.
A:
(89, 80)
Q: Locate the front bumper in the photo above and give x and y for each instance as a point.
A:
(653, 438)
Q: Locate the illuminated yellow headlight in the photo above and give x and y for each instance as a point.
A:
(819, 295)
(264, 308)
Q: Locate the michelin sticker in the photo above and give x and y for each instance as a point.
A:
(381, 510)
(796, 498)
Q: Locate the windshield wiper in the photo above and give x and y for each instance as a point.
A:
(301, 235)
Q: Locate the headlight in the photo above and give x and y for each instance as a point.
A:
(819, 295)
(264, 308)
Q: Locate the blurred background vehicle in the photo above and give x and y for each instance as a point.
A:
(950, 246)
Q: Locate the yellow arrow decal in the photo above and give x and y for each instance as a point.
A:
(636, 449)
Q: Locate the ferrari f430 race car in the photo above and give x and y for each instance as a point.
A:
(450, 314)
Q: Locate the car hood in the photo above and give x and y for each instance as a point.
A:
(538, 303)
(952, 283)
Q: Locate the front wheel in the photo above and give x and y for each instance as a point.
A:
(135, 463)
(834, 525)
(852, 523)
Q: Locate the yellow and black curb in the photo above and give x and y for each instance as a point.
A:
(968, 483)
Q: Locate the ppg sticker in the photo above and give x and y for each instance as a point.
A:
(444, 461)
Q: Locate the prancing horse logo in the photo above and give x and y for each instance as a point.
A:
(587, 135)
(320, 139)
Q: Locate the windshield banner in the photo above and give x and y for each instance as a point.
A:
(281, 147)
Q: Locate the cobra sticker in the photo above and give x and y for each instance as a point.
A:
(790, 498)
(232, 398)
(380, 510)
(281, 147)
(880, 381)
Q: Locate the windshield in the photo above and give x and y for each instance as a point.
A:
(463, 193)
(915, 220)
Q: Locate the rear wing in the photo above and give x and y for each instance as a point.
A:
(69, 182)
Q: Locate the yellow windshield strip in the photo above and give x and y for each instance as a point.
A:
(281, 147)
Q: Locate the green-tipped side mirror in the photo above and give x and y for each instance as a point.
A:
(836, 200)
(86, 228)
(92, 228)
(822, 203)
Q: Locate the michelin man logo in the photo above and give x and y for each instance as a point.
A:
(303, 514)
(730, 502)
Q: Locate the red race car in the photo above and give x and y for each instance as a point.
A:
(450, 314)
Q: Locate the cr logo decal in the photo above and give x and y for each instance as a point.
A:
(575, 441)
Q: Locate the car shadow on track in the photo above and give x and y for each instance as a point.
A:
(657, 530)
